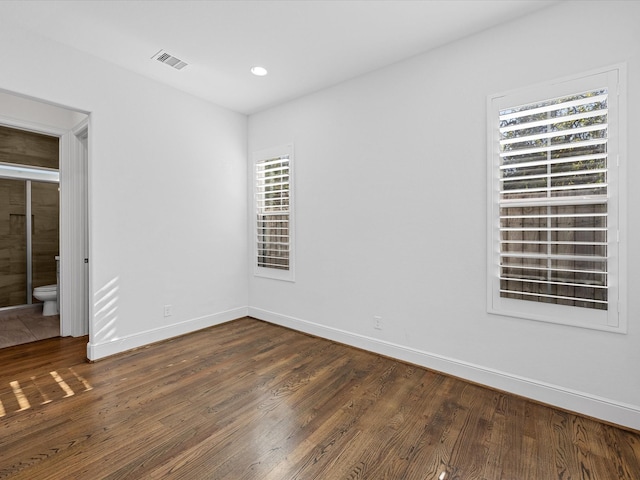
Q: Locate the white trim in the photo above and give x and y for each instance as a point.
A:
(81, 130)
(96, 351)
(582, 403)
(74, 232)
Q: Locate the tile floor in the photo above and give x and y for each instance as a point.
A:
(24, 325)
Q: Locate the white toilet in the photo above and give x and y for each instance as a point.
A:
(49, 295)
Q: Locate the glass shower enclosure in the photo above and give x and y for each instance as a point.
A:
(29, 231)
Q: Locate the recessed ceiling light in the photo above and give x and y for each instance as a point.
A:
(259, 71)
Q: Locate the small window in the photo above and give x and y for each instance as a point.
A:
(273, 181)
(555, 202)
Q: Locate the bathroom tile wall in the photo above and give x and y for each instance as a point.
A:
(27, 148)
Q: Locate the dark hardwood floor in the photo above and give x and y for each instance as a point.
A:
(249, 400)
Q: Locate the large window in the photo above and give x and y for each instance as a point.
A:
(555, 202)
(273, 194)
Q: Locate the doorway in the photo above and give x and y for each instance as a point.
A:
(29, 214)
(71, 128)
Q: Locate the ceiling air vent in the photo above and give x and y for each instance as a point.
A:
(170, 60)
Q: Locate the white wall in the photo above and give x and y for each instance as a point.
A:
(167, 179)
(391, 213)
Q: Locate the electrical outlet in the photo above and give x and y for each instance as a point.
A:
(168, 310)
(377, 322)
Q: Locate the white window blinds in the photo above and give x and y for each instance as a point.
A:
(553, 200)
(273, 212)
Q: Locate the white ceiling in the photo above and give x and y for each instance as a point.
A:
(306, 45)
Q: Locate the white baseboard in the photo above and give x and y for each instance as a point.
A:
(579, 402)
(95, 351)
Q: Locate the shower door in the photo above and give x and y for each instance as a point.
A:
(29, 238)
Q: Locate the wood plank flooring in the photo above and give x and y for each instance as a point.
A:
(249, 400)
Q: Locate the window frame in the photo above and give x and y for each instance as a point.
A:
(614, 318)
(260, 156)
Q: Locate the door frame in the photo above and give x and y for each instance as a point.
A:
(75, 308)
(74, 231)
